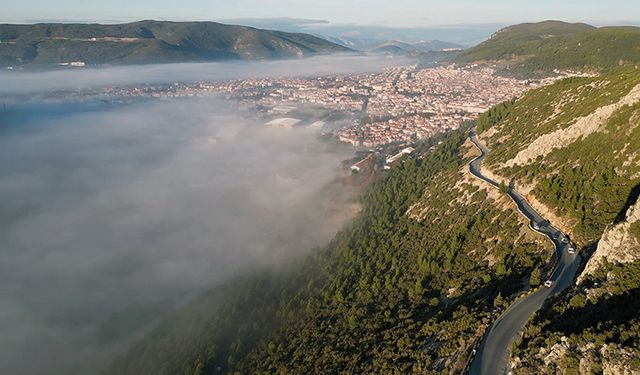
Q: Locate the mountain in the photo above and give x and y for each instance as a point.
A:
(396, 47)
(406, 288)
(358, 36)
(151, 42)
(539, 48)
(574, 149)
(431, 52)
(436, 45)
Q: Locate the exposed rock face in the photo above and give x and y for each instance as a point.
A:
(617, 245)
(616, 360)
(556, 352)
(581, 128)
(565, 224)
(612, 359)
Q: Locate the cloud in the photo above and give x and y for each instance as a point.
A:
(110, 215)
(17, 82)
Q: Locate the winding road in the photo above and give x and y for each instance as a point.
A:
(492, 356)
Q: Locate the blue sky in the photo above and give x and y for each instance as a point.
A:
(381, 12)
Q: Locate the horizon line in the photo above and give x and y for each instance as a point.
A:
(302, 22)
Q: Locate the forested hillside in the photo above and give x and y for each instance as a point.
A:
(539, 48)
(574, 147)
(148, 42)
(593, 328)
(407, 287)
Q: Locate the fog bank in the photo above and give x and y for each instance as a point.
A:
(113, 214)
(109, 216)
(76, 79)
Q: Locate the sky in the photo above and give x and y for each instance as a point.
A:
(405, 13)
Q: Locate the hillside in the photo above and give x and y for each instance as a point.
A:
(538, 49)
(407, 288)
(436, 255)
(150, 42)
(573, 148)
(396, 47)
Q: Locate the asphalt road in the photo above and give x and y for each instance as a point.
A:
(492, 356)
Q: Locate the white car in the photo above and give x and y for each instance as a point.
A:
(572, 249)
(565, 240)
(536, 227)
(548, 283)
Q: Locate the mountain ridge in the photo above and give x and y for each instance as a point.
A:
(151, 41)
(534, 49)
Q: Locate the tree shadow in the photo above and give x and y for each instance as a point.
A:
(586, 252)
(631, 200)
(599, 316)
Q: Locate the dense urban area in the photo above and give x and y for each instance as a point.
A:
(397, 105)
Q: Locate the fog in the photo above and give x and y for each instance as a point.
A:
(81, 78)
(112, 215)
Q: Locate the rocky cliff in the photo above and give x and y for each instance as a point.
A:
(619, 243)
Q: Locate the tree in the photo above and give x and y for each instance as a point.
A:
(534, 280)
(503, 187)
(577, 301)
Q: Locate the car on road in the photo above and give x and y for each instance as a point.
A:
(572, 249)
(536, 226)
(565, 240)
(548, 283)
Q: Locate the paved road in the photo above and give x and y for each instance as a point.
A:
(492, 357)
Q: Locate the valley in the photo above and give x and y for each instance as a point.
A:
(200, 198)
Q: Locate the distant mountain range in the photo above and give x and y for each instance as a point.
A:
(151, 42)
(361, 36)
(396, 46)
(539, 48)
(527, 49)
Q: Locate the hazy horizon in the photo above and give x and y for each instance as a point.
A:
(403, 13)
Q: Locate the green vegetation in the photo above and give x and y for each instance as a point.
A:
(494, 115)
(538, 49)
(588, 181)
(393, 293)
(602, 312)
(591, 196)
(150, 42)
(534, 279)
(635, 230)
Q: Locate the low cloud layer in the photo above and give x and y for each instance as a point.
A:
(111, 215)
(12, 82)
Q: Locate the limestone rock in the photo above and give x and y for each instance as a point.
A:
(617, 245)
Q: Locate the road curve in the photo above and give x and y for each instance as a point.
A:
(492, 356)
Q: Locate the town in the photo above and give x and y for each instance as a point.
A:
(396, 106)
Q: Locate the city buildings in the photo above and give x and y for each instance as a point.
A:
(397, 105)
